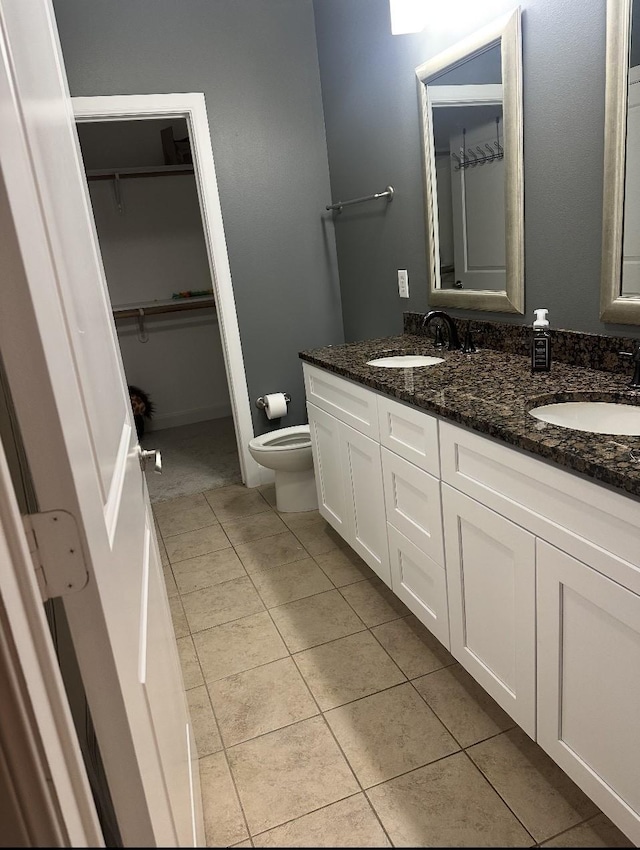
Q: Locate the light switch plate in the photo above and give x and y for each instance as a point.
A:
(403, 283)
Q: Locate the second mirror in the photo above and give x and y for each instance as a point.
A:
(471, 105)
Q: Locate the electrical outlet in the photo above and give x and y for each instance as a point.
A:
(403, 283)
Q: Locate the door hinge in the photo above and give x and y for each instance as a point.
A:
(56, 550)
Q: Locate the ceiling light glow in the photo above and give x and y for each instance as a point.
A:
(411, 16)
(407, 16)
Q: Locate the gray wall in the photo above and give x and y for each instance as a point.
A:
(373, 137)
(257, 64)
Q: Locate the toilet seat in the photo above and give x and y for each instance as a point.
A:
(283, 440)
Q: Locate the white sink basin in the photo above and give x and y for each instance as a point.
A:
(405, 361)
(598, 417)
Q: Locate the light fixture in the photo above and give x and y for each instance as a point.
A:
(408, 16)
(411, 16)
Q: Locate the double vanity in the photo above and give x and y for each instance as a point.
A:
(514, 540)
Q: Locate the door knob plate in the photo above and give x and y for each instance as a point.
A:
(147, 455)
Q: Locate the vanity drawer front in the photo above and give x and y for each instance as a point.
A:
(420, 583)
(413, 504)
(345, 400)
(558, 506)
(410, 433)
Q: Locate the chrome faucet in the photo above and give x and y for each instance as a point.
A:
(634, 384)
(452, 333)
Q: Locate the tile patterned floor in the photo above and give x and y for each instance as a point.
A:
(325, 714)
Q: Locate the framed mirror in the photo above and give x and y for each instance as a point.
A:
(620, 283)
(471, 116)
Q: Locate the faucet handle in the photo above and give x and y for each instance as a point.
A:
(634, 384)
(635, 354)
(468, 346)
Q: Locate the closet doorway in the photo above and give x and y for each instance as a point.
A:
(152, 187)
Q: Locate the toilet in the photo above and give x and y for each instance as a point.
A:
(288, 452)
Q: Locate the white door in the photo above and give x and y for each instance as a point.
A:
(324, 430)
(478, 211)
(362, 473)
(491, 590)
(589, 682)
(62, 361)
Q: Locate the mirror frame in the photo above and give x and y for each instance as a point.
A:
(615, 307)
(507, 31)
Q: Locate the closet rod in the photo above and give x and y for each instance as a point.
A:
(126, 173)
(134, 312)
(388, 194)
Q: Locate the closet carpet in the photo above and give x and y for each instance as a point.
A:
(195, 458)
(325, 714)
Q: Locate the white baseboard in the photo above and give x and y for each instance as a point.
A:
(187, 417)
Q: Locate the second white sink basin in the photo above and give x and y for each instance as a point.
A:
(598, 417)
(405, 361)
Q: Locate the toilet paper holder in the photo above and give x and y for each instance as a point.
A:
(260, 401)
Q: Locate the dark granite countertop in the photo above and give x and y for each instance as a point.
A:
(491, 392)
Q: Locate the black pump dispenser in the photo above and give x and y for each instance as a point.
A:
(541, 343)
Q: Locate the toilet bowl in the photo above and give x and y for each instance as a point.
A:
(288, 452)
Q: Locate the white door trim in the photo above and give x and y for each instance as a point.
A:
(192, 107)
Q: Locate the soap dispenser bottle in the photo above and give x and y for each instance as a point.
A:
(541, 343)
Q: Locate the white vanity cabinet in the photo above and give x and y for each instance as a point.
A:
(589, 682)
(383, 499)
(491, 581)
(325, 444)
(587, 608)
(411, 472)
(347, 464)
(349, 484)
(528, 573)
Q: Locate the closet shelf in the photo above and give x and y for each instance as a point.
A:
(145, 171)
(172, 305)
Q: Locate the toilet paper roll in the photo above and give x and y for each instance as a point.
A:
(275, 405)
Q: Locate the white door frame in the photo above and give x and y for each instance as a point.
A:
(192, 107)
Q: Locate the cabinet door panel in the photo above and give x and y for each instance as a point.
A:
(412, 499)
(411, 433)
(491, 591)
(325, 444)
(421, 584)
(589, 682)
(362, 470)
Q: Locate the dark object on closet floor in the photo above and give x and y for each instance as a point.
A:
(142, 407)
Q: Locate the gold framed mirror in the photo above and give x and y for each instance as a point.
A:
(472, 141)
(620, 280)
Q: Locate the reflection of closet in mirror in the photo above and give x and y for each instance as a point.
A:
(630, 285)
(620, 281)
(469, 163)
(631, 238)
(148, 220)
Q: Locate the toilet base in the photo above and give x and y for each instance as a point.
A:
(296, 491)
